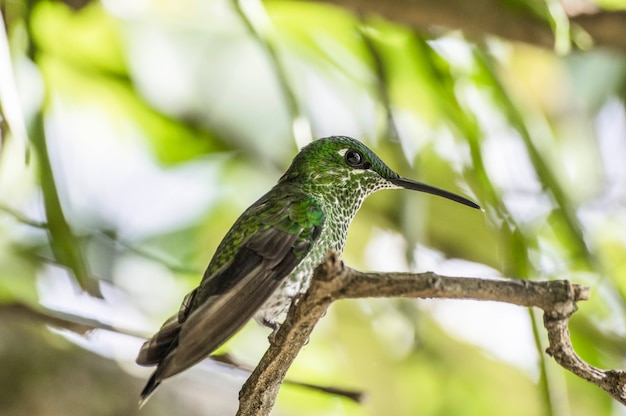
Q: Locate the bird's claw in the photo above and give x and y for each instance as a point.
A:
(275, 326)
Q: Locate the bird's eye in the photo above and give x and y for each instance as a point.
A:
(356, 159)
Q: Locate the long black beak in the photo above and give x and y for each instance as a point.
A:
(422, 187)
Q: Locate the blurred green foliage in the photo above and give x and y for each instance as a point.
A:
(152, 125)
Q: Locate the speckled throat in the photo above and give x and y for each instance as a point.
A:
(340, 198)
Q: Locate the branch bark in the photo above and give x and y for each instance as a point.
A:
(333, 281)
(479, 18)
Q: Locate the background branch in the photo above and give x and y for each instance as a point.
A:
(493, 17)
(333, 281)
(83, 326)
(61, 320)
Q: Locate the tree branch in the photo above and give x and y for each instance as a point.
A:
(333, 281)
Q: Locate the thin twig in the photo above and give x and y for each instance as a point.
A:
(62, 320)
(106, 234)
(22, 218)
(354, 395)
(612, 381)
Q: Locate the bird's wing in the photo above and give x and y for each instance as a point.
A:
(228, 298)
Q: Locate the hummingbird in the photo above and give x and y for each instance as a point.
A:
(268, 256)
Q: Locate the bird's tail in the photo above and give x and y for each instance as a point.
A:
(156, 348)
(147, 391)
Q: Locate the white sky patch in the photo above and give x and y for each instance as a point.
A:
(611, 126)
(112, 345)
(107, 175)
(414, 133)
(301, 128)
(59, 292)
(503, 331)
(455, 50)
(145, 280)
(385, 252)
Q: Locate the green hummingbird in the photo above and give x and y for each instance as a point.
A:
(268, 256)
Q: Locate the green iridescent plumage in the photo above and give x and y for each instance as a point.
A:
(269, 254)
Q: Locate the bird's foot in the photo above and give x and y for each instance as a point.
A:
(275, 326)
(296, 298)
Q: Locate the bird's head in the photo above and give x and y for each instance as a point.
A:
(343, 165)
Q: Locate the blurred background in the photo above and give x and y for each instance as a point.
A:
(133, 133)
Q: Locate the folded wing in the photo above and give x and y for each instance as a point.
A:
(229, 297)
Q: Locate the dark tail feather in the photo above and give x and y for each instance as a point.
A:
(156, 348)
(147, 391)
